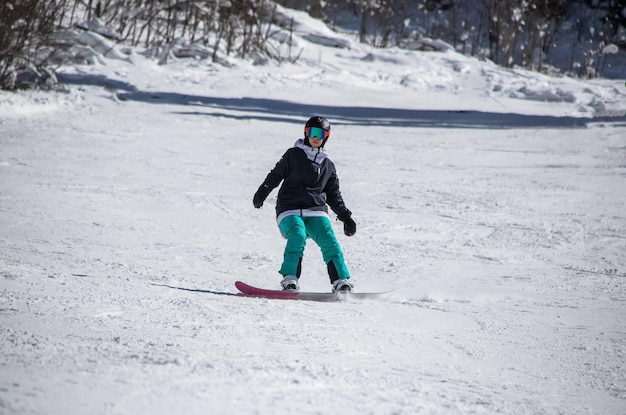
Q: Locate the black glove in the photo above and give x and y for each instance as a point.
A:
(349, 225)
(259, 196)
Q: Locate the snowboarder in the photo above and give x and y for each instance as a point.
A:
(309, 183)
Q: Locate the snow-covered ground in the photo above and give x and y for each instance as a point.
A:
(489, 199)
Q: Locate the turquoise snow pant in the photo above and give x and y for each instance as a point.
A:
(296, 229)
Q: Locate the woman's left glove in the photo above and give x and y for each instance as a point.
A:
(349, 225)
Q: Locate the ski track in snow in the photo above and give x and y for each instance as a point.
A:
(505, 247)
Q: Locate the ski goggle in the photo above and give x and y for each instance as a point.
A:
(316, 132)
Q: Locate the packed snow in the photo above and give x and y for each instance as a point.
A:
(493, 201)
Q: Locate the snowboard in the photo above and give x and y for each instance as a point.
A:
(250, 291)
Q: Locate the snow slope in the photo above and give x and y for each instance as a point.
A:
(489, 199)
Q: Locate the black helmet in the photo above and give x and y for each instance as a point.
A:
(317, 122)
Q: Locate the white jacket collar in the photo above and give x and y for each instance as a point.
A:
(317, 155)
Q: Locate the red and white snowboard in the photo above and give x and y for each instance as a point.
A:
(250, 291)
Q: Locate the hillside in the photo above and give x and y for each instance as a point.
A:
(492, 201)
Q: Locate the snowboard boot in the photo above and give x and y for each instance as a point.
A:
(290, 283)
(342, 285)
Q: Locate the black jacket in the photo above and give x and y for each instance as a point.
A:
(309, 182)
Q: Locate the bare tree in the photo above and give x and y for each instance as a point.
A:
(26, 26)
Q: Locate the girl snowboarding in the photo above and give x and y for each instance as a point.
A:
(309, 184)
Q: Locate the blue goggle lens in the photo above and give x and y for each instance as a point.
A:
(316, 132)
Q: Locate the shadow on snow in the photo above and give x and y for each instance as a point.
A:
(198, 290)
(293, 112)
(275, 110)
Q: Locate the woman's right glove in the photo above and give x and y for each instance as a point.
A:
(349, 225)
(260, 195)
